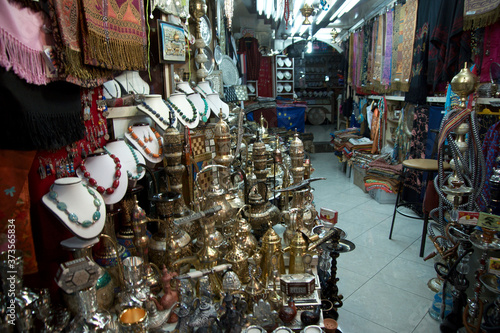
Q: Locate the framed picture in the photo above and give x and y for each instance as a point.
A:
(172, 43)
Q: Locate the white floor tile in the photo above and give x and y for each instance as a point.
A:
(427, 325)
(352, 323)
(378, 239)
(388, 306)
(349, 282)
(413, 251)
(407, 275)
(364, 261)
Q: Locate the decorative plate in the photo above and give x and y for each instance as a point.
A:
(218, 54)
(230, 73)
(288, 75)
(280, 62)
(209, 65)
(206, 30)
(280, 75)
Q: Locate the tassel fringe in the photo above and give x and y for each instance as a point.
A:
(27, 63)
(114, 54)
(473, 22)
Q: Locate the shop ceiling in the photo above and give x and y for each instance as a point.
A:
(267, 20)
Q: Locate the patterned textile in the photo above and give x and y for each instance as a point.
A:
(405, 48)
(366, 50)
(351, 57)
(449, 44)
(114, 34)
(413, 178)
(375, 130)
(65, 16)
(22, 41)
(490, 51)
(372, 53)
(386, 69)
(427, 19)
(379, 51)
(265, 77)
(397, 54)
(480, 13)
(15, 204)
(491, 150)
(250, 46)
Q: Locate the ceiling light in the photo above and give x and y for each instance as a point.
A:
(357, 25)
(303, 29)
(309, 47)
(346, 6)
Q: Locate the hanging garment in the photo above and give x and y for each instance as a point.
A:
(490, 52)
(65, 16)
(427, 18)
(375, 130)
(250, 46)
(22, 41)
(265, 78)
(366, 51)
(449, 44)
(386, 68)
(114, 34)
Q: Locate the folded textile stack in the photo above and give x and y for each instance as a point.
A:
(340, 140)
(361, 144)
(362, 159)
(382, 175)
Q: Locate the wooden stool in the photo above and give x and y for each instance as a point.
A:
(419, 164)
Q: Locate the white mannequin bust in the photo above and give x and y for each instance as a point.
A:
(152, 151)
(216, 104)
(80, 202)
(157, 110)
(204, 88)
(133, 83)
(111, 90)
(184, 87)
(180, 103)
(129, 158)
(102, 168)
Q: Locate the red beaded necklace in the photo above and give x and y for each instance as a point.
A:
(92, 182)
(143, 146)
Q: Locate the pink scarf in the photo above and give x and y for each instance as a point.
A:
(22, 38)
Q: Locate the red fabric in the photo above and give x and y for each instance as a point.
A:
(491, 50)
(265, 78)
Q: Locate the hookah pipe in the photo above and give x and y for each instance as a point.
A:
(456, 276)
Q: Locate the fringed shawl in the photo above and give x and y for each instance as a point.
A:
(22, 38)
(114, 34)
(480, 13)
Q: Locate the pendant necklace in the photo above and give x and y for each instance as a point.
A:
(142, 144)
(116, 87)
(116, 182)
(204, 114)
(180, 113)
(72, 216)
(155, 113)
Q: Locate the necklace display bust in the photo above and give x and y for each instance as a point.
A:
(185, 110)
(75, 196)
(129, 158)
(216, 105)
(102, 168)
(132, 82)
(152, 150)
(157, 110)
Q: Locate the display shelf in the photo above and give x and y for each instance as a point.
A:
(285, 70)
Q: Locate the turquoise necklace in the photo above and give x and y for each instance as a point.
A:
(136, 159)
(204, 114)
(181, 113)
(72, 216)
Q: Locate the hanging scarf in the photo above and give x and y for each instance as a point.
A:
(65, 16)
(366, 50)
(408, 21)
(39, 117)
(373, 53)
(480, 13)
(449, 44)
(351, 60)
(386, 69)
(427, 18)
(379, 53)
(250, 45)
(22, 40)
(114, 34)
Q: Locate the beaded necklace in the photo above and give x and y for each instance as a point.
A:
(191, 120)
(155, 113)
(72, 216)
(204, 114)
(116, 182)
(136, 159)
(141, 143)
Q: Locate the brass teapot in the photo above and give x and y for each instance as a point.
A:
(271, 247)
(261, 210)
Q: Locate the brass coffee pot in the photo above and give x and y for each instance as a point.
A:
(246, 241)
(298, 248)
(239, 261)
(262, 130)
(271, 246)
(297, 157)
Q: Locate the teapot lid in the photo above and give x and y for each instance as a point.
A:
(270, 236)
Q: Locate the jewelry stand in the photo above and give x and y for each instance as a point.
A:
(204, 88)
(217, 105)
(129, 159)
(157, 110)
(132, 82)
(102, 168)
(180, 103)
(184, 87)
(201, 106)
(154, 146)
(111, 90)
(78, 200)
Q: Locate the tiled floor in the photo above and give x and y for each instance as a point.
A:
(384, 282)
